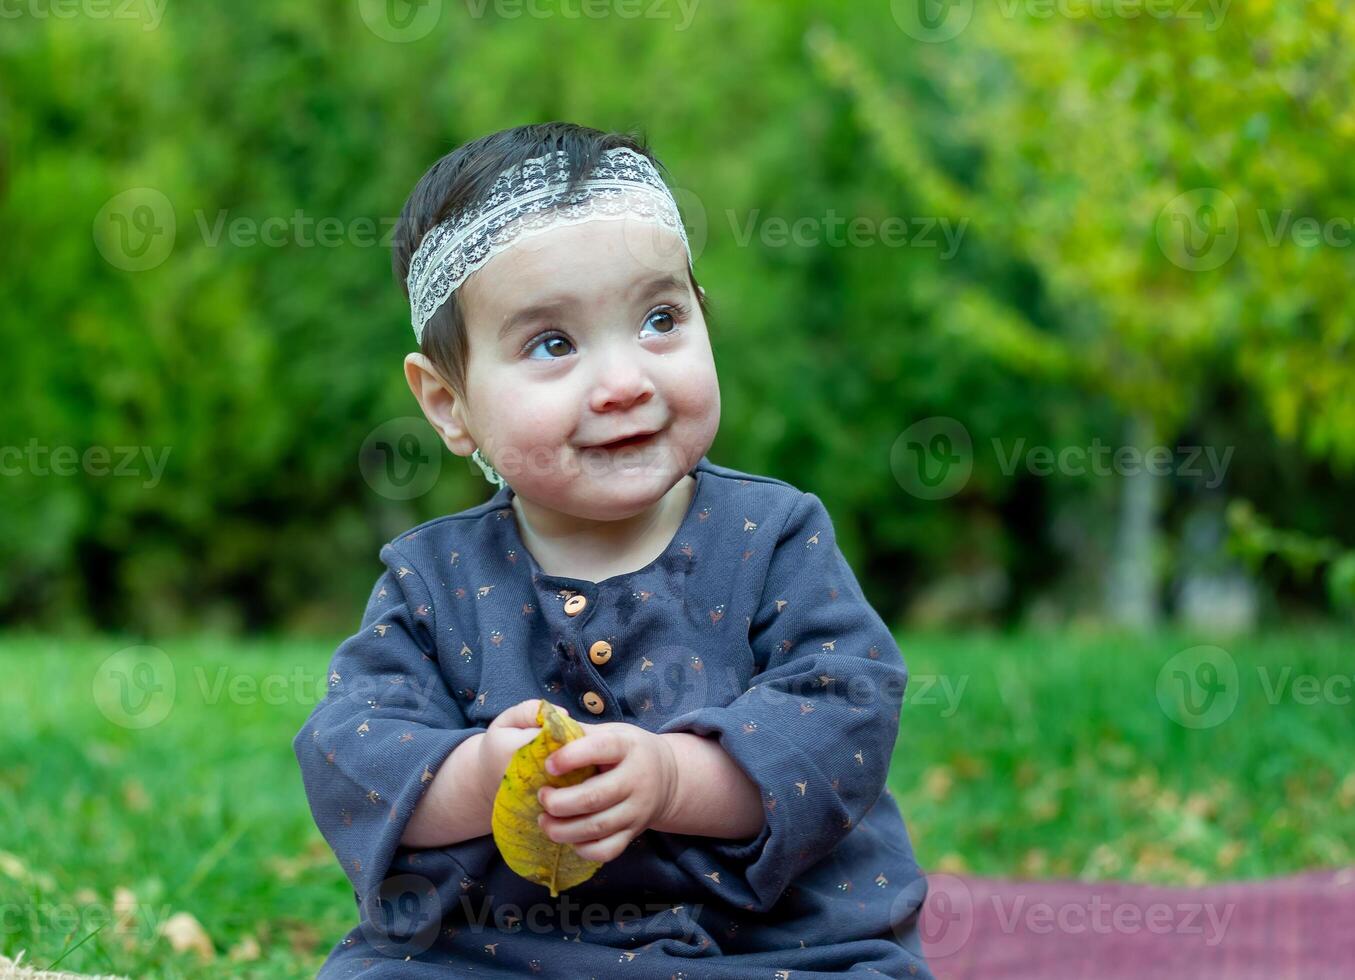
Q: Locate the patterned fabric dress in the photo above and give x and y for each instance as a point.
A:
(750, 628)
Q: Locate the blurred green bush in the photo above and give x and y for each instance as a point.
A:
(191, 220)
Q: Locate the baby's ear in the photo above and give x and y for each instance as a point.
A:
(439, 403)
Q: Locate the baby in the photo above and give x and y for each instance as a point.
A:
(739, 696)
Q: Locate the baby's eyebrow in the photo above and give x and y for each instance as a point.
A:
(641, 287)
(531, 313)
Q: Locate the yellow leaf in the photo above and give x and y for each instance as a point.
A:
(523, 844)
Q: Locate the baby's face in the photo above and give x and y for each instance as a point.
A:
(580, 336)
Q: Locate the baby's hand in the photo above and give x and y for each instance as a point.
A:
(510, 730)
(634, 787)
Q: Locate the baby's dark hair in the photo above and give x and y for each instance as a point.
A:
(464, 178)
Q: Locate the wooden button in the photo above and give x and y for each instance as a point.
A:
(593, 702)
(574, 604)
(600, 652)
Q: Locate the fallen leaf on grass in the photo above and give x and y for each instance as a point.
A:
(247, 950)
(185, 934)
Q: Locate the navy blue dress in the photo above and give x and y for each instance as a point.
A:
(750, 628)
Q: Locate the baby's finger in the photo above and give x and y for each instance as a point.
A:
(594, 826)
(589, 796)
(595, 748)
(606, 849)
(521, 715)
(518, 737)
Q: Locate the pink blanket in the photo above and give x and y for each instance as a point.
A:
(1300, 927)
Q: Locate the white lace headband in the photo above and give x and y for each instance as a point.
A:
(528, 201)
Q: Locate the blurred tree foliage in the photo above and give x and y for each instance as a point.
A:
(1055, 144)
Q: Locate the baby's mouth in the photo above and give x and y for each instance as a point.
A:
(631, 443)
(628, 443)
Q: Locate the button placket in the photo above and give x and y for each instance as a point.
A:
(595, 698)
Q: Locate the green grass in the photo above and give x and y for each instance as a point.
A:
(1021, 755)
(1061, 761)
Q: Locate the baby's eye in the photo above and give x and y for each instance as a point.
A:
(557, 345)
(550, 341)
(670, 313)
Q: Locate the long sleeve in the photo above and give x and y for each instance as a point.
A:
(817, 726)
(387, 723)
